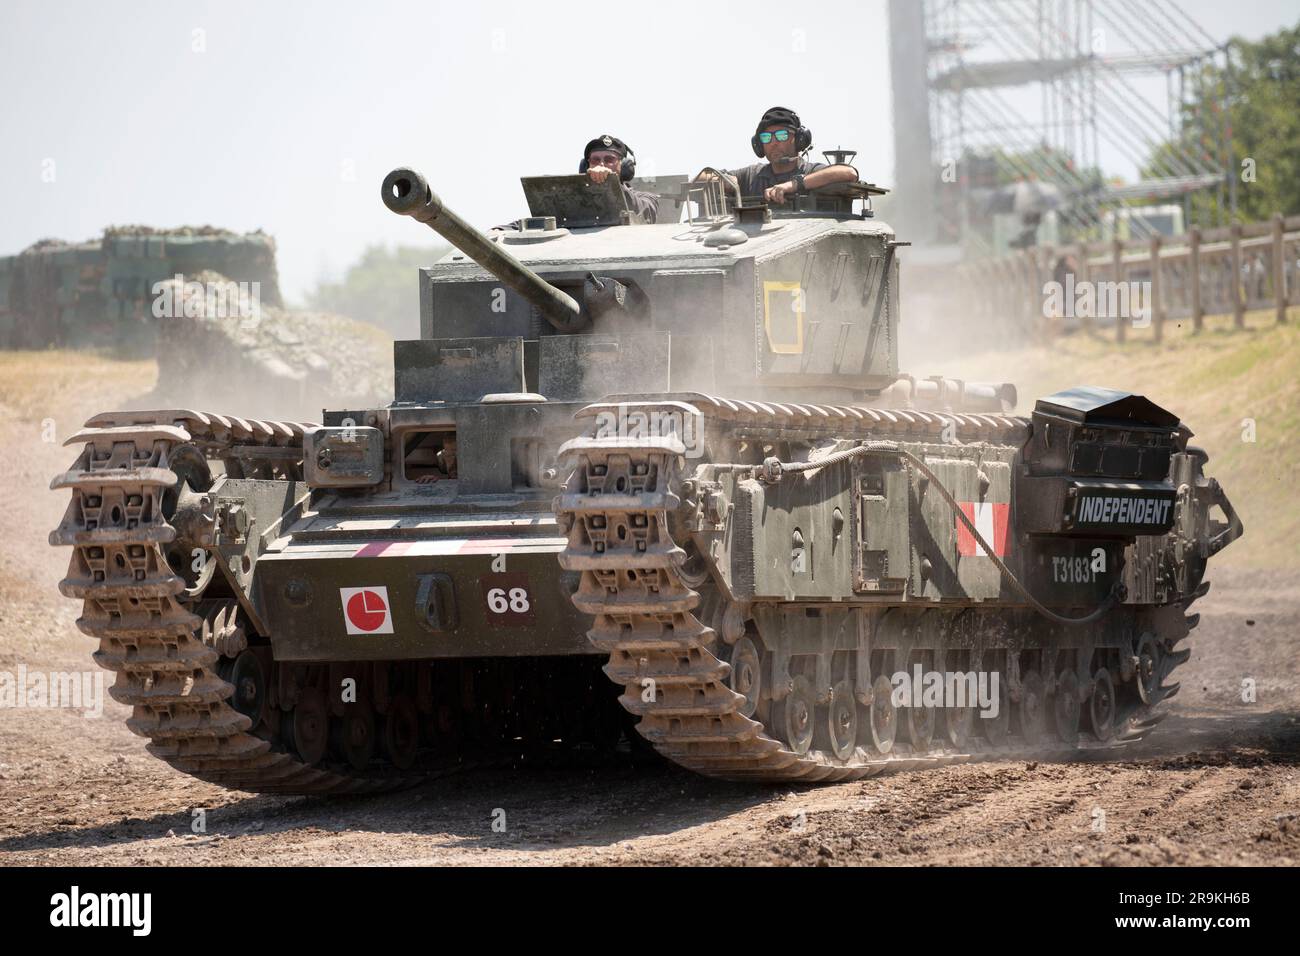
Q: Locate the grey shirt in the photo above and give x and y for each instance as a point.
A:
(757, 179)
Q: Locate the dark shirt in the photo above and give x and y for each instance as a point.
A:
(647, 204)
(757, 179)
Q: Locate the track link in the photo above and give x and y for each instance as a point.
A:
(147, 636)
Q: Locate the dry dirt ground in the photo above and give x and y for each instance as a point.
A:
(1217, 783)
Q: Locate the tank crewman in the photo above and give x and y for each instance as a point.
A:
(608, 155)
(784, 141)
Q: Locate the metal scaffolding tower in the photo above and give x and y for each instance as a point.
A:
(1032, 91)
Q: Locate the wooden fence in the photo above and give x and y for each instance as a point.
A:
(1228, 271)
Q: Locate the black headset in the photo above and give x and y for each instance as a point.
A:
(802, 134)
(626, 167)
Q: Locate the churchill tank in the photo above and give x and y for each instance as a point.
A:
(660, 484)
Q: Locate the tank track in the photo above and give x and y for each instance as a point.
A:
(165, 656)
(617, 508)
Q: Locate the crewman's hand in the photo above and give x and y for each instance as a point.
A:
(779, 193)
(598, 174)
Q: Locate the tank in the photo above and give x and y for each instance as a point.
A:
(659, 484)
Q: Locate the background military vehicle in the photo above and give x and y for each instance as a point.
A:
(558, 486)
(207, 303)
(102, 292)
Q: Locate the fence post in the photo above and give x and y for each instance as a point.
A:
(1156, 305)
(1030, 311)
(1006, 301)
(1117, 253)
(1045, 261)
(1238, 304)
(1194, 277)
(1081, 275)
(1034, 269)
(1279, 266)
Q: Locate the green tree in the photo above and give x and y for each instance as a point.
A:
(1258, 92)
(382, 287)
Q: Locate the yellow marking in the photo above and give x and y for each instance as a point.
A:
(784, 348)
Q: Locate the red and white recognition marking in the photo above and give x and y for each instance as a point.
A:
(449, 546)
(990, 519)
(366, 611)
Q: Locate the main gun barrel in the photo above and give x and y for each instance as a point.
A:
(407, 193)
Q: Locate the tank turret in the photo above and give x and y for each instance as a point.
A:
(799, 302)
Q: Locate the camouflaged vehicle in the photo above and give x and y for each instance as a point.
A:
(678, 452)
(103, 292)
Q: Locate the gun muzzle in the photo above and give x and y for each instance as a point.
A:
(407, 193)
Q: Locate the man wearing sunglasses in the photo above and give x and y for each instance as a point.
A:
(782, 139)
(607, 156)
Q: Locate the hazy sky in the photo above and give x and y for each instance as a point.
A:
(286, 116)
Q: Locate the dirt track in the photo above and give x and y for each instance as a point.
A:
(1216, 783)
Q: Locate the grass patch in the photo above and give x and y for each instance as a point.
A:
(68, 387)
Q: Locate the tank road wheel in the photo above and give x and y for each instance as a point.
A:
(746, 674)
(838, 731)
(794, 717)
(919, 721)
(190, 466)
(997, 727)
(957, 724)
(402, 732)
(1101, 705)
(884, 715)
(1065, 707)
(249, 680)
(183, 560)
(1032, 708)
(1148, 669)
(310, 726)
(353, 735)
(919, 724)
(694, 571)
(193, 565)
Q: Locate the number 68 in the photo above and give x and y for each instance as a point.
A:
(499, 601)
